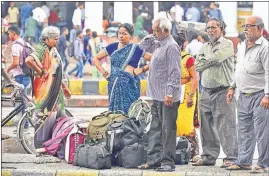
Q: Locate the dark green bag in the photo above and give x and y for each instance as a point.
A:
(99, 124)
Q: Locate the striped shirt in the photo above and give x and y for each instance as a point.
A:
(165, 71)
(252, 71)
(217, 63)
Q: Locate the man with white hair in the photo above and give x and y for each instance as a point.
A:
(164, 88)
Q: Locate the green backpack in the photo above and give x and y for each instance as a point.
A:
(98, 126)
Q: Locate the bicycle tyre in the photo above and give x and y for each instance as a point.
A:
(29, 147)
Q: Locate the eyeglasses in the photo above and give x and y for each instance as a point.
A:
(213, 28)
(248, 25)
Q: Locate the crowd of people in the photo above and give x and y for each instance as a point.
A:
(175, 65)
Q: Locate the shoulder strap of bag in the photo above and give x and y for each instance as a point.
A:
(129, 57)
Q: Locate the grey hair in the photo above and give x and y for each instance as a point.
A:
(164, 23)
(49, 32)
(220, 23)
(259, 22)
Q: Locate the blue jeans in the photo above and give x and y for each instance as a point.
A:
(79, 68)
(24, 80)
(65, 60)
(23, 21)
(37, 34)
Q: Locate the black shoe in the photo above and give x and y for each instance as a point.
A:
(165, 168)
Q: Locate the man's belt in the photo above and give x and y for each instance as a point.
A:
(250, 94)
(215, 90)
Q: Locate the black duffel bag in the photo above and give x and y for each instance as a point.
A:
(92, 156)
(123, 133)
(131, 156)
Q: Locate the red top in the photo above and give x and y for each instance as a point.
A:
(53, 18)
(190, 62)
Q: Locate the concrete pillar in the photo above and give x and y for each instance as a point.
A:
(94, 16)
(229, 14)
(123, 12)
(155, 9)
(261, 9)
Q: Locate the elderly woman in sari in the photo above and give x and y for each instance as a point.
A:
(48, 87)
(123, 80)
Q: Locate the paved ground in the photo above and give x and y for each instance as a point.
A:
(24, 164)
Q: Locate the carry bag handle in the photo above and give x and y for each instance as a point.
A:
(136, 128)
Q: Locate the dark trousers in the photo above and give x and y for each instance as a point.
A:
(162, 134)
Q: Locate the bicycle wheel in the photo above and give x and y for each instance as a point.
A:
(26, 137)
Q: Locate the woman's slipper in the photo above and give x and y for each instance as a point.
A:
(258, 169)
(238, 167)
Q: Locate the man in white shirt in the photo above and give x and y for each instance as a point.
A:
(77, 16)
(40, 16)
(177, 11)
(46, 9)
(194, 46)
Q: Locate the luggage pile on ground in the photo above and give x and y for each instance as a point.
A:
(113, 138)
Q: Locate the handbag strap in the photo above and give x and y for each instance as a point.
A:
(129, 57)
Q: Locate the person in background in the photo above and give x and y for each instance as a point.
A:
(62, 47)
(94, 43)
(194, 46)
(205, 15)
(87, 51)
(214, 11)
(138, 24)
(77, 16)
(203, 38)
(73, 33)
(13, 13)
(45, 8)
(26, 9)
(83, 17)
(42, 21)
(110, 13)
(79, 55)
(17, 61)
(193, 14)
(30, 26)
(177, 11)
(105, 24)
(189, 78)
(5, 24)
(54, 17)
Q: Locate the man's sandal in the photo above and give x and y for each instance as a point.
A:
(227, 163)
(238, 167)
(258, 169)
